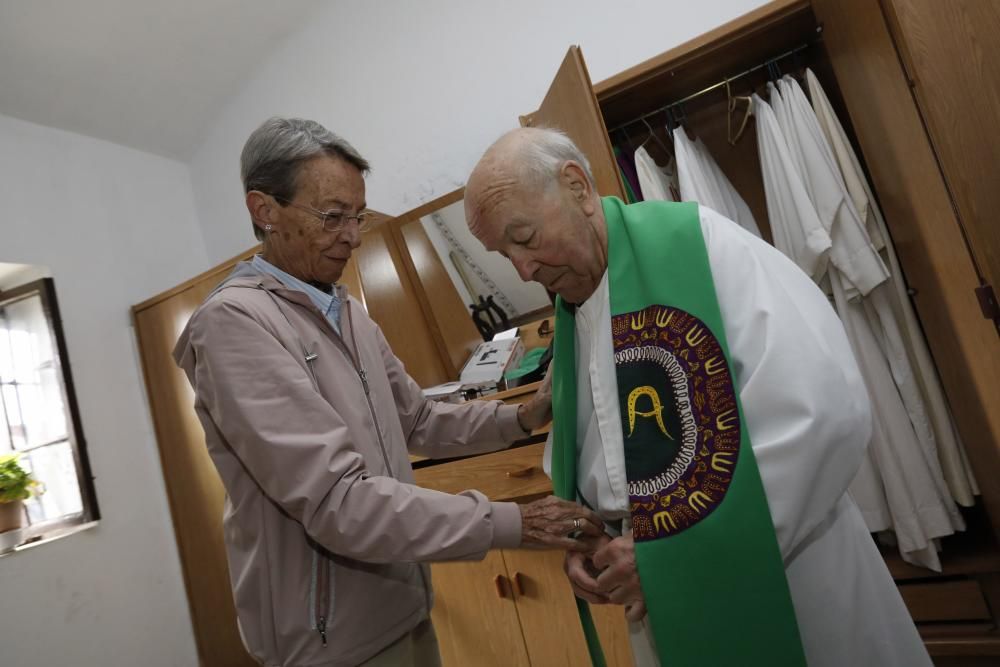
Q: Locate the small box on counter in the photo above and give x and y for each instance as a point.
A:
(449, 392)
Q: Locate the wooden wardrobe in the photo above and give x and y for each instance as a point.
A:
(918, 83)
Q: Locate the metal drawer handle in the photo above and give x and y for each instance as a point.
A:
(522, 472)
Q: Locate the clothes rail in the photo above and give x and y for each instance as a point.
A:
(715, 86)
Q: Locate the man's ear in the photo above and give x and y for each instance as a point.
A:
(574, 178)
(262, 208)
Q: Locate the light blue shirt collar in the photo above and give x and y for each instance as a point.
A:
(328, 304)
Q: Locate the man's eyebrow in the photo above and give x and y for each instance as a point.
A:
(514, 225)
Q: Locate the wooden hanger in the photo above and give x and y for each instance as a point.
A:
(732, 101)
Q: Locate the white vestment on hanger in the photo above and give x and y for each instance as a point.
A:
(912, 498)
(796, 228)
(954, 463)
(805, 407)
(701, 180)
(656, 182)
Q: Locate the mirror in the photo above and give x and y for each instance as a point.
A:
(450, 270)
(474, 272)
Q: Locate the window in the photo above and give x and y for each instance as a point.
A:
(39, 419)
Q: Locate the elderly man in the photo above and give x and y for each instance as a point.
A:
(706, 400)
(308, 417)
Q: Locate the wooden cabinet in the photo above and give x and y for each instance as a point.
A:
(549, 619)
(533, 580)
(475, 616)
(515, 607)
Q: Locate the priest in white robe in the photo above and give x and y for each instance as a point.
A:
(533, 199)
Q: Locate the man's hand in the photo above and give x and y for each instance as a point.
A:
(581, 571)
(635, 612)
(619, 577)
(537, 412)
(549, 522)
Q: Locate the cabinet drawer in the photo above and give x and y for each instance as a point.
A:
(519, 395)
(945, 601)
(506, 475)
(515, 395)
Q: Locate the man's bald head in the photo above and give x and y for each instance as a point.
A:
(532, 198)
(528, 158)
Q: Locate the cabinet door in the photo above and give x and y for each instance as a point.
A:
(474, 615)
(570, 105)
(392, 302)
(450, 319)
(549, 619)
(950, 49)
(194, 489)
(919, 213)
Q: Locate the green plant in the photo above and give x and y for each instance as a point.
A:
(15, 482)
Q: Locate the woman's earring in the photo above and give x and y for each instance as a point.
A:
(267, 228)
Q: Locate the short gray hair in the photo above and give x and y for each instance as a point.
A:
(544, 154)
(275, 151)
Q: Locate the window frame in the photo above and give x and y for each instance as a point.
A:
(44, 288)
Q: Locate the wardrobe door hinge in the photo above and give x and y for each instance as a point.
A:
(988, 302)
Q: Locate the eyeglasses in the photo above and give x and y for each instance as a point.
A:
(334, 220)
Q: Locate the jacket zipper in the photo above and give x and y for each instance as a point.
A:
(321, 601)
(381, 444)
(364, 383)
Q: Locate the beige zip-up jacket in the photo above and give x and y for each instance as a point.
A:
(325, 531)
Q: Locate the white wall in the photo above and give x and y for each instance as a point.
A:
(13, 275)
(421, 88)
(114, 226)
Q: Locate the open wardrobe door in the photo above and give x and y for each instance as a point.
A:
(949, 50)
(570, 105)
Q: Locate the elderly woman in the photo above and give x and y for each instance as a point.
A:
(309, 417)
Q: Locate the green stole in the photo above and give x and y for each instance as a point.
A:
(708, 559)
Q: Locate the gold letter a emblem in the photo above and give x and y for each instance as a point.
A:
(656, 412)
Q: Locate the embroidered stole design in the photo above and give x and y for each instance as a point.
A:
(708, 559)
